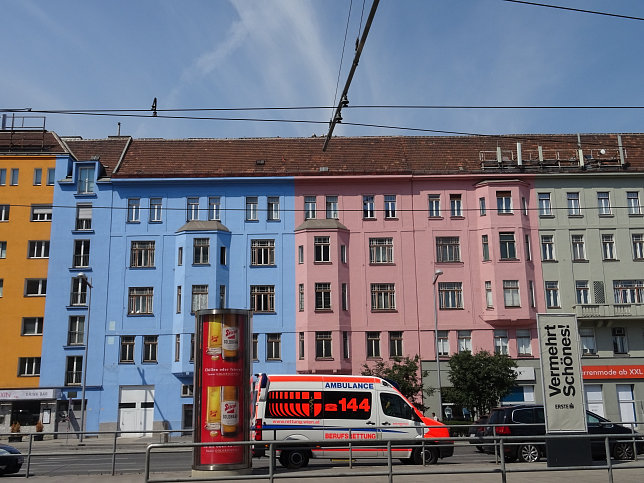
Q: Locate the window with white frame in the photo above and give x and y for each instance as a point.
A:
(620, 345)
(214, 208)
(81, 254)
(450, 295)
(28, 366)
(633, 202)
(133, 210)
(252, 204)
(37, 249)
(3, 250)
(482, 207)
(140, 300)
(273, 347)
(192, 208)
(323, 345)
(485, 246)
(548, 248)
(603, 203)
(300, 346)
(501, 341)
(582, 291)
(552, 294)
(508, 246)
(78, 291)
(373, 345)
(368, 207)
(574, 207)
(503, 202)
(3, 176)
(381, 250)
(37, 176)
(343, 253)
(443, 343)
(179, 298)
(4, 212)
(262, 298)
(322, 296)
(201, 251)
(345, 297)
(524, 205)
(150, 348)
(262, 252)
(587, 339)
(309, 207)
(199, 298)
(85, 180)
(126, 354)
(455, 205)
(31, 326)
(332, 207)
(545, 208)
(608, 246)
(434, 205)
(15, 174)
(511, 293)
(531, 296)
(448, 249)
(76, 330)
(300, 299)
(528, 247)
(383, 296)
(41, 212)
(322, 249)
(155, 214)
(464, 340)
(1, 287)
(628, 291)
(273, 208)
(489, 300)
(51, 176)
(638, 246)
(73, 370)
(35, 287)
(578, 247)
(83, 217)
(390, 206)
(142, 254)
(396, 344)
(300, 254)
(524, 342)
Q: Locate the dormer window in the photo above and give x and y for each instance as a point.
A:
(85, 179)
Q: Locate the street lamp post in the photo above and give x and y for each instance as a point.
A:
(83, 277)
(437, 274)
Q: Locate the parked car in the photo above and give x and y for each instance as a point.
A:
(529, 420)
(477, 432)
(10, 459)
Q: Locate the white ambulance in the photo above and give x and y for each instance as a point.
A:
(368, 411)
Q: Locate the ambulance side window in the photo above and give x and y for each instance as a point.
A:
(395, 406)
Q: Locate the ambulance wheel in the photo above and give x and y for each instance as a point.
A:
(431, 456)
(294, 459)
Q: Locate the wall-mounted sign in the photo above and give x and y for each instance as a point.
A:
(18, 394)
(613, 372)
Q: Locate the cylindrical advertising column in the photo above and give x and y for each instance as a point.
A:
(222, 388)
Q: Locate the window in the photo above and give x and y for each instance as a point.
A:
(222, 296)
(531, 293)
(545, 209)
(199, 298)
(37, 249)
(35, 287)
(368, 207)
(201, 251)
(587, 336)
(455, 205)
(3, 249)
(638, 246)
(345, 297)
(395, 344)
(450, 295)
(300, 254)
(548, 247)
(177, 347)
(346, 345)
(390, 206)
(179, 299)
(4, 212)
(501, 341)
(126, 354)
(37, 176)
(332, 207)
(633, 202)
(192, 208)
(528, 248)
(28, 366)
(150, 348)
(508, 248)
(85, 179)
(628, 291)
(262, 252)
(41, 212)
(156, 210)
(309, 207)
(486, 248)
(552, 294)
(300, 299)
(511, 293)
(251, 208)
(192, 347)
(322, 246)
(373, 345)
(255, 347)
(489, 300)
(187, 390)
(3, 176)
(322, 296)
(443, 343)
(603, 203)
(31, 326)
(74, 370)
(323, 345)
(273, 347)
(582, 291)
(133, 210)
(180, 256)
(608, 246)
(51, 176)
(262, 298)
(142, 254)
(503, 202)
(619, 340)
(1, 287)
(464, 340)
(574, 208)
(383, 296)
(273, 208)
(524, 343)
(578, 247)
(434, 206)
(524, 205)
(222, 255)
(482, 208)
(381, 250)
(214, 208)
(81, 253)
(343, 253)
(83, 217)
(140, 300)
(300, 346)
(15, 173)
(448, 249)
(76, 332)
(79, 291)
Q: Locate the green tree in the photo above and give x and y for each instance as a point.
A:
(405, 372)
(480, 380)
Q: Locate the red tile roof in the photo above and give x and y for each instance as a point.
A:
(109, 151)
(30, 142)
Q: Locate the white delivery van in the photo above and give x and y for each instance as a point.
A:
(360, 409)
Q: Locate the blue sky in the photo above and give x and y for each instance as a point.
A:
(120, 54)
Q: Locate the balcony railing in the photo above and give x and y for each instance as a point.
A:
(609, 310)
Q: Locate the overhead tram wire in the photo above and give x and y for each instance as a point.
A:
(344, 43)
(579, 10)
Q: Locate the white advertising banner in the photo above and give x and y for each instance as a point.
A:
(563, 392)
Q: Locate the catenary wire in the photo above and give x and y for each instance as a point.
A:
(579, 10)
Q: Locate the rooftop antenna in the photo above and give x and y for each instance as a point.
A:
(118, 132)
(154, 107)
